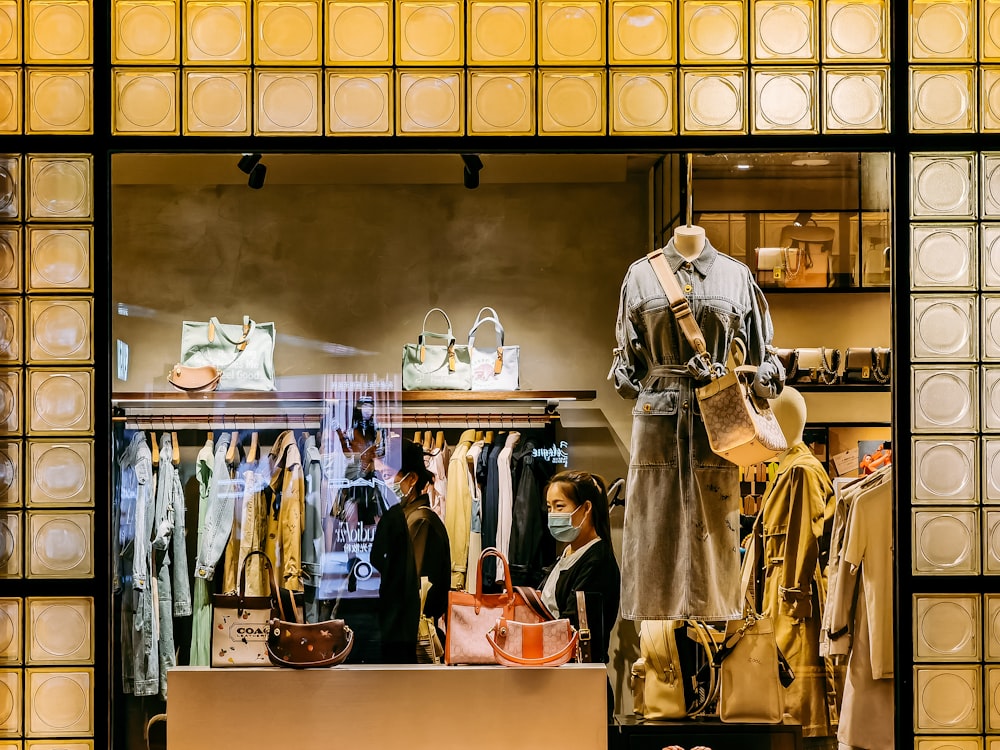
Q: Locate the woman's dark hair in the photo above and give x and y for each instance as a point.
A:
(582, 486)
(364, 427)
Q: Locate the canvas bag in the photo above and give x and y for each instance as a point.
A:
(240, 624)
(659, 679)
(243, 353)
(436, 367)
(493, 369)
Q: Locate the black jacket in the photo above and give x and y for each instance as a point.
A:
(398, 594)
(596, 573)
(532, 548)
(432, 554)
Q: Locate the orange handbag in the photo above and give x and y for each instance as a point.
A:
(538, 644)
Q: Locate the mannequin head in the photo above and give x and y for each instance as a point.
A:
(790, 410)
(689, 241)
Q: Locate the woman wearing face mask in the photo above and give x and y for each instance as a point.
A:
(578, 515)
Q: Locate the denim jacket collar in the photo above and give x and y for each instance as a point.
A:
(702, 264)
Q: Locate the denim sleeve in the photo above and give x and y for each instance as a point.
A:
(757, 334)
(629, 366)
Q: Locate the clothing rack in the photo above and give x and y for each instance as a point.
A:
(312, 421)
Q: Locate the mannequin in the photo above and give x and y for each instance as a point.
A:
(796, 511)
(689, 241)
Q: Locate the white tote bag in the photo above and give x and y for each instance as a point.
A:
(495, 368)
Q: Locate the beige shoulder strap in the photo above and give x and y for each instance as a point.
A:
(678, 302)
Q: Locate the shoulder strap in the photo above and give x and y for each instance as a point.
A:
(678, 302)
(583, 648)
(533, 598)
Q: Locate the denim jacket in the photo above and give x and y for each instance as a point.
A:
(218, 515)
(170, 531)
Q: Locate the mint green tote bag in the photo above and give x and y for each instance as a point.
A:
(243, 353)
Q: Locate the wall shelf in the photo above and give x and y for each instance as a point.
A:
(841, 388)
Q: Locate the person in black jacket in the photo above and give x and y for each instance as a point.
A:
(578, 515)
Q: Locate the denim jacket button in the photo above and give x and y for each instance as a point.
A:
(647, 407)
(688, 288)
(685, 405)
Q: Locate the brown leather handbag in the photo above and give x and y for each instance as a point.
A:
(195, 379)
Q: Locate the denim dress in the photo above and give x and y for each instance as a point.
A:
(680, 555)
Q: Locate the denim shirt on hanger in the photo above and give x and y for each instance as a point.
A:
(218, 514)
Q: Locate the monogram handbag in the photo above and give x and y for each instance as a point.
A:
(436, 367)
(493, 369)
(240, 624)
(741, 426)
(663, 686)
(532, 644)
(815, 365)
(867, 365)
(243, 353)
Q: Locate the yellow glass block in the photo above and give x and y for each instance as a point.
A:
(571, 102)
(10, 259)
(60, 473)
(59, 259)
(145, 32)
(11, 697)
(948, 743)
(715, 101)
(11, 632)
(785, 101)
(60, 402)
(10, 401)
(60, 330)
(288, 102)
(59, 187)
(942, 31)
(10, 32)
(948, 699)
(60, 702)
(60, 544)
(642, 33)
(358, 33)
(288, 32)
(429, 102)
(989, 31)
(359, 102)
(10, 187)
(58, 31)
(216, 102)
(10, 100)
(62, 745)
(713, 32)
(943, 99)
(856, 31)
(11, 745)
(643, 101)
(59, 630)
(501, 102)
(216, 32)
(145, 102)
(947, 628)
(13, 545)
(10, 331)
(60, 100)
(501, 33)
(430, 33)
(989, 99)
(571, 33)
(785, 31)
(856, 100)
(10, 473)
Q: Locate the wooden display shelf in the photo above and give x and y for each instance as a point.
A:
(128, 398)
(841, 388)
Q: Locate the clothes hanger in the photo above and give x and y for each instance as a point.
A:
(234, 445)
(175, 457)
(210, 438)
(428, 441)
(252, 454)
(615, 493)
(418, 437)
(439, 441)
(154, 448)
(479, 435)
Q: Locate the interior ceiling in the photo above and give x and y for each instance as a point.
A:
(810, 164)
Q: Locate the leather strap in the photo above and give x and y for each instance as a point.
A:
(559, 657)
(584, 651)
(678, 303)
(508, 584)
(533, 598)
(275, 595)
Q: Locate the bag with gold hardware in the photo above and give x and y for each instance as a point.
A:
(868, 365)
(493, 369)
(674, 676)
(194, 379)
(815, 365)
(244, 354)
(436, 367)
(770, 267)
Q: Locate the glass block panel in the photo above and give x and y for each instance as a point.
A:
(59, 187)
(944, 99)
(10, 401)
(991, 542)
(59, 258)
(989, 99)
(990, 181)
(942, 31)
(571, 33)
(11, 631)
(991, 327)
(643, 101)
(60, 544)
(10, 100)
(358, 33)
(992, 627)
(855, 31)
(58, 31)
(10, 259)
(945, 471)
(216, 32)
(145, 32)
(288, 102)
(10, 702)
(60, 330)
(288, 32)
(10, 331)
(360, 102)
(13, 546)
(856, 100)
(10, 32)
(989, 238)
(714, 101)
(944, 185)
(989, 31)
(713, 32)
(785, 101)
(785, 31)
(501, 102)
(948, 699)
(145, 102)
(10, 473)
(60, 702)
(945, 541)
(992, 699)
(946, 628)
(430, 32)
(429, 102)
(991, 470)
(10, 186)
(216, 102)
(945, 328)
(501, 33)
(945, 399)
(60, 745)
(943, 256)
(642, 32)
(60, 630)
(991, 399)
(60, 401)
(60, 473)
(948, 743)
(571, 101)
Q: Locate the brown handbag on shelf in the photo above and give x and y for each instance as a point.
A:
(815, 365)
(868, 365)
(195, 379)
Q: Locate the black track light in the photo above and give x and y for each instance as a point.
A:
(470, 174)
(803, 218)
(247, 162)
(257, 175)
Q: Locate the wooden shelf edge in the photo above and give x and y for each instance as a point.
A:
(123, 398)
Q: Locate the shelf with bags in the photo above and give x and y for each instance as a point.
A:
(843, 388)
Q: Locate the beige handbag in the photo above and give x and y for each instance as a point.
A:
(658, 677)
(429, 648)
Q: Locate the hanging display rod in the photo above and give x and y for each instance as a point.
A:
(312, 421)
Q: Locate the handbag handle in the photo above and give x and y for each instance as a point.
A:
(275, 594)
(214, 326)
(508, 584)
(331, 662)
(498, 328)
(423, 327)
(561, 655)
(679, 305)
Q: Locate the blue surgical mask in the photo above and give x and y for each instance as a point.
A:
(397, 488)
(561, 526)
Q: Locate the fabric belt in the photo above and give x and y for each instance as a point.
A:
(674, 371)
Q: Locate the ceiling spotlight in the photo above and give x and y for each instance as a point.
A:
(257, 175)
(803, 218)
(247, 162)
(470, 174)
